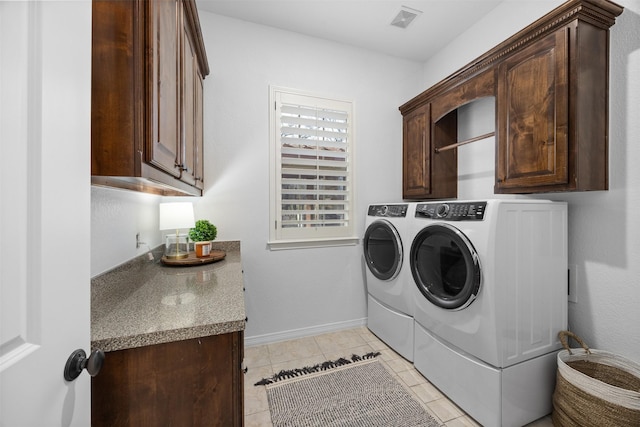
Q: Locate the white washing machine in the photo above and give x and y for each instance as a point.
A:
(490, 282)
(390, 299)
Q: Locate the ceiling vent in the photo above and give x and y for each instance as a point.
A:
(405, 17)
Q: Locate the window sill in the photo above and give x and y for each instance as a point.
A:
(307, 244)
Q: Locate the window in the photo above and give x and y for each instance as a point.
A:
(311, 170)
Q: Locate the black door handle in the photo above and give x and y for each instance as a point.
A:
(79, 361)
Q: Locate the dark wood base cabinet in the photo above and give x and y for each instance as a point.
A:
(196, 382)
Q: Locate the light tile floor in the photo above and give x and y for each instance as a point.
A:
(265, 360)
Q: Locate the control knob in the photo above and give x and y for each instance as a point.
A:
(442, 211)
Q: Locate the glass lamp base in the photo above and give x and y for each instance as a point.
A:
(176, 246)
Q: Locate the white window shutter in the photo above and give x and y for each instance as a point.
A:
(313, 171)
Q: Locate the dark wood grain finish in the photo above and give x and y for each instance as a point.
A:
(194, 382)
(563, 143)
(141, 139)
(192, 142)
(163, 148)
(481, 86)
(427, 175)
(192, 259)
(416, 161)
(551, 86)
(444, 166)
(589, 107)
(192, 21)
(533, 115)
(116, 89)
(600, 13)
(199, 129)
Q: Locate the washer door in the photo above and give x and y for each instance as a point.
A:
(383, 250)
(445, 266)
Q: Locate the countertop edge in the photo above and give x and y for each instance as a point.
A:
(162, 337)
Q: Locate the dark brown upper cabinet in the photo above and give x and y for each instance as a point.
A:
(533, 117)
(424, 178)
(192, 110)
(416, 145)
(430, 168)
(551, 84)
(148, 66)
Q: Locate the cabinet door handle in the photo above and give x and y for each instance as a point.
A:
(181, 167)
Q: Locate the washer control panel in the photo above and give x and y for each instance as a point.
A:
(390, 211)
(455, 211)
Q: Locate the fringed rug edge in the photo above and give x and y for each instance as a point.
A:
(321, 368)
(317, 374)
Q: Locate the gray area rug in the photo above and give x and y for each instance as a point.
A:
(358, 394)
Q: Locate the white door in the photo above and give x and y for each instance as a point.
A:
(45, 104)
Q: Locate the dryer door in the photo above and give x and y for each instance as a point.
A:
(445, 266)
(383, 249)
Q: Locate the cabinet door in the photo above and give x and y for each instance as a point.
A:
(194, 382)
(416, 161)
(427, 175)
(192, 133)
(199, 130)
(117, 134)
(533, 118)
(163, 148)
(189, 67)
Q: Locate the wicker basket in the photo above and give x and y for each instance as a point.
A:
(595, 388)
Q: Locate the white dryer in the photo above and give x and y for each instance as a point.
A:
(490, 282)
(390, 299)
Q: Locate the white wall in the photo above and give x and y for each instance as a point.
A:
(603, 229)
(294, 292)
(116, 217)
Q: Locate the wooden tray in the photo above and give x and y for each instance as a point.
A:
(192, 259)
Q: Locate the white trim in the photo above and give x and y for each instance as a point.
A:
(303, 332)
(327, 236)
(307, 244)
(17, 355)
(21, 87)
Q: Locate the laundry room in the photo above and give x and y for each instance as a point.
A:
(301, 292)
(356, 289)
(324, 286)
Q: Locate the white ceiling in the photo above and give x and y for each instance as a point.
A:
(363, 23)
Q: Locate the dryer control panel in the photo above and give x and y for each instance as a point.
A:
(390, 211)
(456, 211)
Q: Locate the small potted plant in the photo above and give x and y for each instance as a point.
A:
(202, 235)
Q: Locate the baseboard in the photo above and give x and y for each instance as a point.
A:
(302, 332)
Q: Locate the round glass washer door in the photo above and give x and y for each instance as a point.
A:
(383, 250)
(445, 266)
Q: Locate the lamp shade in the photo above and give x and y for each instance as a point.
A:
(174, 216)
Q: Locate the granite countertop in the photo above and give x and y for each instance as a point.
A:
(144, 302)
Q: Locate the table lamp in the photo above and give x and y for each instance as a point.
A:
(174, 216)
